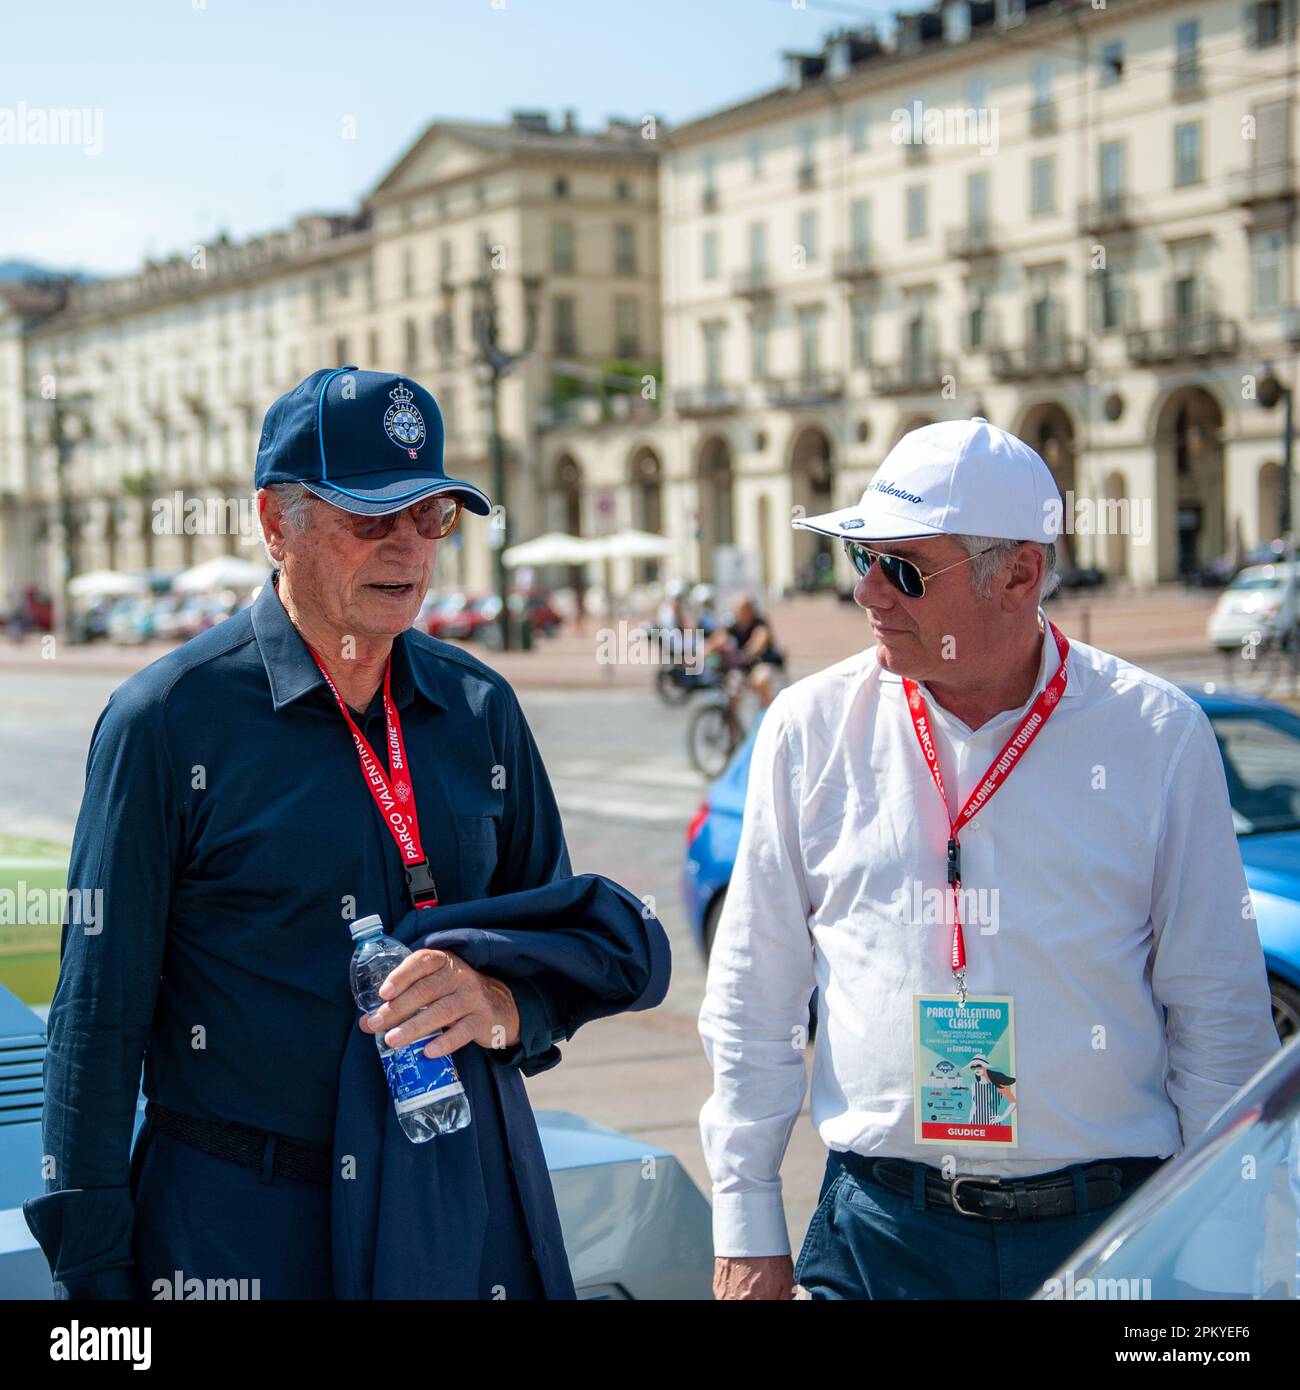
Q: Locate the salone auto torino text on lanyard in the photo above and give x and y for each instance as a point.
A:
(964, 1047)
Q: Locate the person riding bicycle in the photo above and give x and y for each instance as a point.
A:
(748, 643)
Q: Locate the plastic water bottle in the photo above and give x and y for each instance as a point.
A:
(426, 1091)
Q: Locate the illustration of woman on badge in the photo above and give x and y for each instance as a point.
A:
(988, 1089)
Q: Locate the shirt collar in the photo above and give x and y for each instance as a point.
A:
(1049, 659)
(291, 669)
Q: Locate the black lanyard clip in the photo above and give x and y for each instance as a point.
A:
(420, 884)
(954, 862)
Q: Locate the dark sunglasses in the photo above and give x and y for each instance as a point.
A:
(902, 574)
(434, 518)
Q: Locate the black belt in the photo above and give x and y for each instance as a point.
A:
(242, 1144)
(1008, 1199)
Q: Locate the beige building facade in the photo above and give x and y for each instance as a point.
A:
(1076, 221)
(123, 397)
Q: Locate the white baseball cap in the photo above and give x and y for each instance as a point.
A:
(959, 477)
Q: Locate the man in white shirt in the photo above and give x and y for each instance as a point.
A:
(978, 841)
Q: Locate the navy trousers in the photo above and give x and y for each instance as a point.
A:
(865, 1241)
(206, 1218)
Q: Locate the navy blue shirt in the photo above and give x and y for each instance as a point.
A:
(226, 820)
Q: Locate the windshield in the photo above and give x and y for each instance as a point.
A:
(1226, 1227)
(1261, 760)
(1257, 579)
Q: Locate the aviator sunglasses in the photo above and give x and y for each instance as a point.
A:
(434, 519)
(902, 574)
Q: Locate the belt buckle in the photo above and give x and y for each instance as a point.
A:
(954, 1189)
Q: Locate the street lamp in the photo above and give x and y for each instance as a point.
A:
(495, 362)
(1271, 391)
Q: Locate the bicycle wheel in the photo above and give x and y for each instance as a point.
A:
(670, 689)
(711, 738)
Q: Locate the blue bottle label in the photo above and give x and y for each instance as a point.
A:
(414, 1079)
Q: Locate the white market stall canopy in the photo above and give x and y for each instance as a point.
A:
(553, 548)
(223, 572)
(105, 584)
(631, 545)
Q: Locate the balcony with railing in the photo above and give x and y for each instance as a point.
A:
(1187, 77)
(857, 263)
(1112, 212)
(972, 242)
(1184, 340)
(716, 399)
(1051, 355)
(1262, 183)
(754, 283)
(916, 373)
(809, 388)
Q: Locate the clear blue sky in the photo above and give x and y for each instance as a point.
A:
(228, 113)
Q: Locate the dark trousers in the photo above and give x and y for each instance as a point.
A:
(866, 1241)
(212, 1219)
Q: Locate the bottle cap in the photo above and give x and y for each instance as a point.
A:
(366, 926)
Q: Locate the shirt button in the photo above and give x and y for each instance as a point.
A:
(974, 825)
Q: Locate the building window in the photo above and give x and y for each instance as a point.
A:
(756, 158)
(562, 248)
(860, 226)
(757, 248)
(1187, 153)
(977, 201)
(372, 347)
(561, 186)
(341, 349)
(627, 327)
(860, 326)
(977, 322)
(709, 255)
(622, 190)
(408, 273)
(1268, 271)
(808, 234)
(917, 212)
(412, 342)
(564, 325)
(1264, 23)
(1187, 61)
(810, 322)
(713, 353)
(342, 284)
(859, 129)
(624, 249)
(758, 349)
(807, 149)
(1042, 109)
(1112, 62)
(1109, 315)
(977, 94)
(709, 166)
(1110, 157)
(444, 257)
(1042, 185)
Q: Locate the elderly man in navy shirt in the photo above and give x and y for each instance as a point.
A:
(310, 761)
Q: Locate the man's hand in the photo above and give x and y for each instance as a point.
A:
(435, 989)
(755, 1277)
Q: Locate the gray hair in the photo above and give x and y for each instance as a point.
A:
(985, 566)
(295, 501)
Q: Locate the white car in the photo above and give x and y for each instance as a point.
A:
(1258, 604)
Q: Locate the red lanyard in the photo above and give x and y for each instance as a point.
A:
(395, 799)
(999, 770)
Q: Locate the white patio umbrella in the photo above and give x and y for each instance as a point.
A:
(222, 572)
(105, 584)
(631, 545)
(552, 548)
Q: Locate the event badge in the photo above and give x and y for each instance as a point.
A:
(964, 1071)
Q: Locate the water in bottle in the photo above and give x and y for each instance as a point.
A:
(427, 1091)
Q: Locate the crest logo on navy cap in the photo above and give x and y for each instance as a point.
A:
(403, 423)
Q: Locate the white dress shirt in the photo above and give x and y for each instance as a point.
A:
(1119, 922)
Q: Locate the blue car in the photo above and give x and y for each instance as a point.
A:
(1260, 743)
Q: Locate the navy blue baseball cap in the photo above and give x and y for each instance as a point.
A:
(368, 442)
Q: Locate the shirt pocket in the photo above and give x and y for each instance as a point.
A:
(476, 854)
